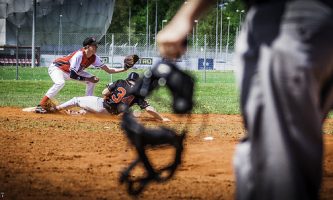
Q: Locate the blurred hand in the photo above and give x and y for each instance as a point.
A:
(166, 119)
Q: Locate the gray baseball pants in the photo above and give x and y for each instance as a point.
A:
(285, 54)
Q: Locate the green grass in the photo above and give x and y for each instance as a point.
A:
(217, 94)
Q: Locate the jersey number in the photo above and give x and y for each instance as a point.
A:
(119, 96)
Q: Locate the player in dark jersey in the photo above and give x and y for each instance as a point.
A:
(117, 97)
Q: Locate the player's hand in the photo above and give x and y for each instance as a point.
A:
(172, 39)
(92, 79)
(165, 119)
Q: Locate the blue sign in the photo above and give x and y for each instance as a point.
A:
(209, 64)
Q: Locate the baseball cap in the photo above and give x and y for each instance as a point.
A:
(90, 41)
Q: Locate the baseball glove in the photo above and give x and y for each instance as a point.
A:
(130, 61)
(50, 105)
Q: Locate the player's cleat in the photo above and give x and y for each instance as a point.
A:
(39, 109)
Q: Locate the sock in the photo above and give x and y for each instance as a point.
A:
(43, 101)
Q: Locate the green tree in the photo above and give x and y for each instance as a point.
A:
(166, 10)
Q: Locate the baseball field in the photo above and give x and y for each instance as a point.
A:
(57, 156)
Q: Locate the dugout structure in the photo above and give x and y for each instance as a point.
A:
(10, 55)
(76, 19)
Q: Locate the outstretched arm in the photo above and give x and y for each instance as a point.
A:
(171, 40)
(112, 70)
(151, 110)
(106, 92)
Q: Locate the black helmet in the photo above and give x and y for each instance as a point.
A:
(90, 41)
(133, 76)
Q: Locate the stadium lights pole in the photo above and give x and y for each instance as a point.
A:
(60, 35)
(227, 46)
(216, 28)
(196, 35)
(147, 29)
(155, 44)
(222, 6)
(149, 40)
(240, 18)
(164, 21)
(33, 34)
(193, 38)
(129, 27)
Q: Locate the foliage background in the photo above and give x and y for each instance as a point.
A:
(165, 11)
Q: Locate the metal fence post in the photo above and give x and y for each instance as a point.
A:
(112, 51)
(205, 55)
(17, 44)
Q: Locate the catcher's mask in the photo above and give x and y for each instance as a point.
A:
(181, 85)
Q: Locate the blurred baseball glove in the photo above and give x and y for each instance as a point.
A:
(50, 105)
(130, 61)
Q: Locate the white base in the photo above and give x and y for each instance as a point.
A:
(29, 109)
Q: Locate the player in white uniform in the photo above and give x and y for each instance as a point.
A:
(73, 67)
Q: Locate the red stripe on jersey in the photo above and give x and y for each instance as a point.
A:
(64, 64)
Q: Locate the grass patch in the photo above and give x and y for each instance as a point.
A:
(215, 91)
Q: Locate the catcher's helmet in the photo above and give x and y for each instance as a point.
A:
(133, 76)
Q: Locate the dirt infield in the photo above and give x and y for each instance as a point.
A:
(55, 156)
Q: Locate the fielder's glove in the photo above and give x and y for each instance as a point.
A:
(130, 61)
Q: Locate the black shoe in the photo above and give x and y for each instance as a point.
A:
(40, 109)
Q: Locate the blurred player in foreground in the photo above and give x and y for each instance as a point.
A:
(72, 67)
(285, 61)
(116, 98)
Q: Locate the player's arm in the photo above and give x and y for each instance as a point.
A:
(109, 88)
(151, 110)
(106, 92)
(112, 70)
(99, 64)
(171, 40)
(75, 62)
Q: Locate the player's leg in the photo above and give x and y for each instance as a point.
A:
(58, 77)
(283, 109)
(89, 85)
(301, 62)
(248, 51)
(89, 103)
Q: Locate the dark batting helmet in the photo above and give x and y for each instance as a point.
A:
(90, 41)
(133, 76)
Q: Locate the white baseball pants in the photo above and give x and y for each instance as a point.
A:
(89, 103)
(59, 77)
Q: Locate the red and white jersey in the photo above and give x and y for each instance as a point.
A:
(78, 61)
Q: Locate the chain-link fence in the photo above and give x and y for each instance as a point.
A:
(219, 48)
(124, 44)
